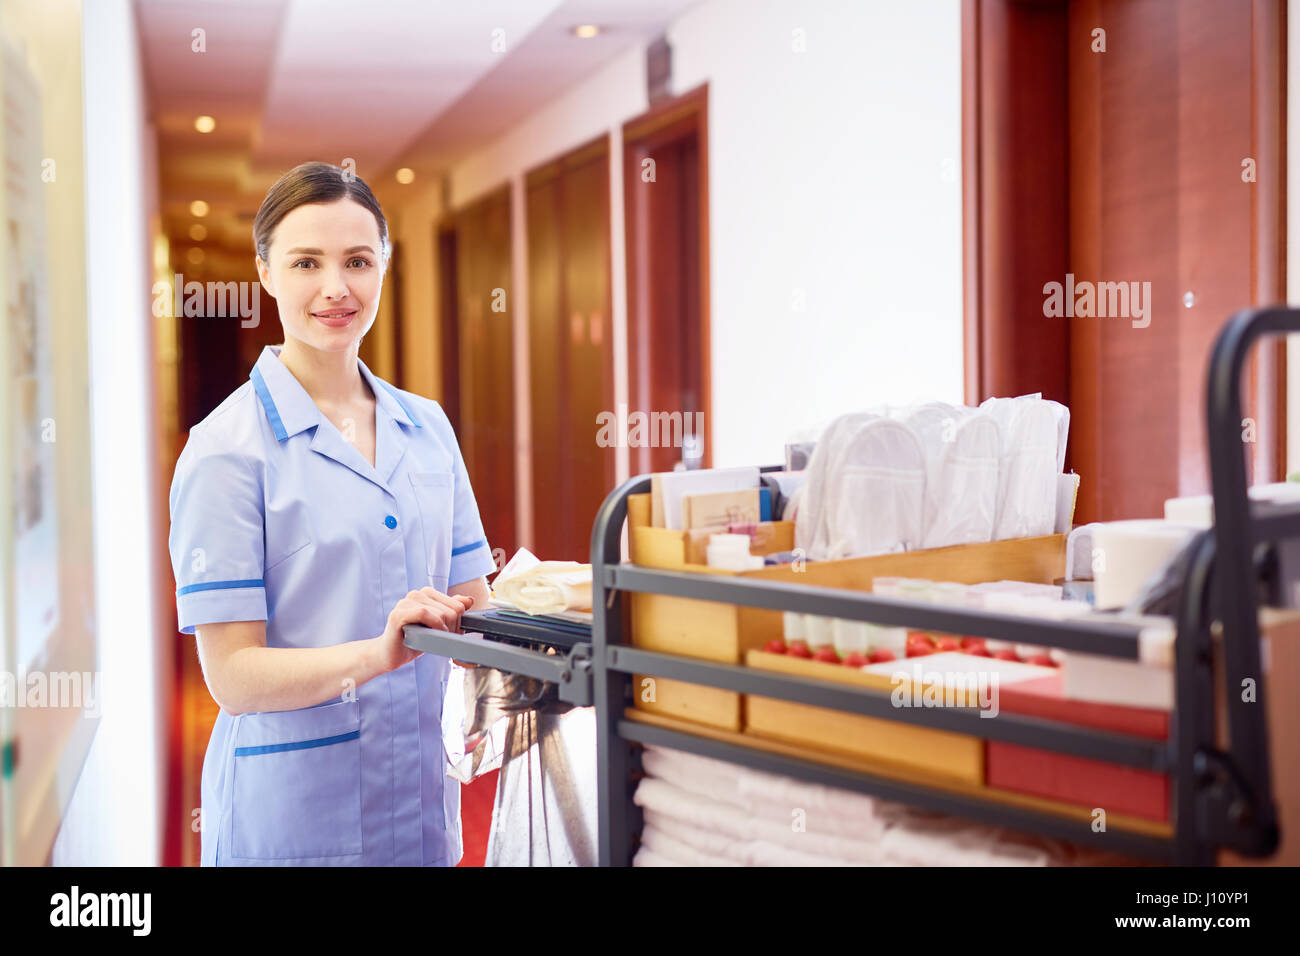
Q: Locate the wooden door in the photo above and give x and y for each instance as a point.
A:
(486, 427)
(665, 196)
(1173, 187)
(570, 348)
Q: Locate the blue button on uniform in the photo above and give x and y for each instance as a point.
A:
(390, 521)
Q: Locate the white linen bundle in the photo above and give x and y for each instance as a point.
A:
(548, 587)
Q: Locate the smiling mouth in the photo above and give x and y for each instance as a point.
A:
(335, 316)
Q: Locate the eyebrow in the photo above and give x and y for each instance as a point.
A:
(297, 250)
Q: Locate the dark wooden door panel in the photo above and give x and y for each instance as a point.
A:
(665, 177)
(570, 348)
(486, 368)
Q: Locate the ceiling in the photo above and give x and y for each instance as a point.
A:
(387, 83)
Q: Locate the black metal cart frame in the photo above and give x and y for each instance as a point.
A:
(1222, 798)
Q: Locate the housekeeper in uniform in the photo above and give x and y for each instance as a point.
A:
(315, 512)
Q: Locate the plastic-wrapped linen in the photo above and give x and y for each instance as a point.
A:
(1032, 451)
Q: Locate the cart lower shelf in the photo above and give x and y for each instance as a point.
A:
(1072, 822)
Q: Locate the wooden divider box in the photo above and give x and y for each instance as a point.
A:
(715, 631)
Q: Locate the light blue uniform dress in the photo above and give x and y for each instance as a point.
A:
(275, 516)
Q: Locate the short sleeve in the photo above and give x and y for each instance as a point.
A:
(217, 538)
(470, 554)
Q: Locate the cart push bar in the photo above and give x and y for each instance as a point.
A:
(571, 672)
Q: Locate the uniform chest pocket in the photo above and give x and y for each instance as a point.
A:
(296, 791)
(434, 495)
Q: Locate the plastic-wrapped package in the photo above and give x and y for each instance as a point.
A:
(812, 528)
(981, 474)
(962, 448)
(876, 498)
(1031, 447)
(545, 748)
(545, 812)
(476, 711)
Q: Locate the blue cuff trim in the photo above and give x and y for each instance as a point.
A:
(220, 586)
(298, 745)
(481, 543)
(272, 413)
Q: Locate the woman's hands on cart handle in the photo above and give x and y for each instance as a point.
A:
(427, 606)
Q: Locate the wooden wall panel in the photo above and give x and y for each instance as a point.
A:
(1016, 207)
(548, 398)
(590, 385)
(486, 370)
(570, 348)
(667, 262)
(1157, 125)
(1125, 397)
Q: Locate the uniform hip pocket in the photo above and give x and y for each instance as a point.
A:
(296, 789)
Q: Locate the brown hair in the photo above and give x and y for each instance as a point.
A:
(309, 183)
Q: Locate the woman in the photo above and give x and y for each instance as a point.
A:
(315, 512)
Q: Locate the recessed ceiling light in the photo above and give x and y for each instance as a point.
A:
(195, 256)
(198, 232)
(205, 124)
(406, 175)
(198, 209)
(586, 31)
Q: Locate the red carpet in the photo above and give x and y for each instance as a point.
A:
(476, 801)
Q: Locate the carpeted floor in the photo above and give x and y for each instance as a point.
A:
(476, 801)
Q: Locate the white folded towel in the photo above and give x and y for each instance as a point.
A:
(666, 846)
(662, 796)
(647, 857)
(771, 854)
(839, 813)
(705, 840)
(548, 587)
(775, 832)
(732, 832)
(726, 811)
(960, 845)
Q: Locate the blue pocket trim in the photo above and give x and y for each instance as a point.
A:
(297, 745)
(220, 586)
(481, 543)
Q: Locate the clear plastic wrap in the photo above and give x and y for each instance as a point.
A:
(545, 748)
(477, 708)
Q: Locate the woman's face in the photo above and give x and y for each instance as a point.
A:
(324, 272)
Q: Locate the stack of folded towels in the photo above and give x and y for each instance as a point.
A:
(704, 812)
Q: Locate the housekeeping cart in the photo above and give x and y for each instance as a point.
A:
(1221, 795)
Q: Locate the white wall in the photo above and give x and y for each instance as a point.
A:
(116, 813)
(834, 183)
(835, 179)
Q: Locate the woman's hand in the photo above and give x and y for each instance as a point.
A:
(427, 606)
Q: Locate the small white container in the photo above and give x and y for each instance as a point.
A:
(886, 587)
(948, 592)
(730, 552)
(850, 637)
(913, 589)
(889, 639)
(821, 631)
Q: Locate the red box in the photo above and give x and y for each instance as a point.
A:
(1079, 780)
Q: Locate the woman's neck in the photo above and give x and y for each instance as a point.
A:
(332, 379)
